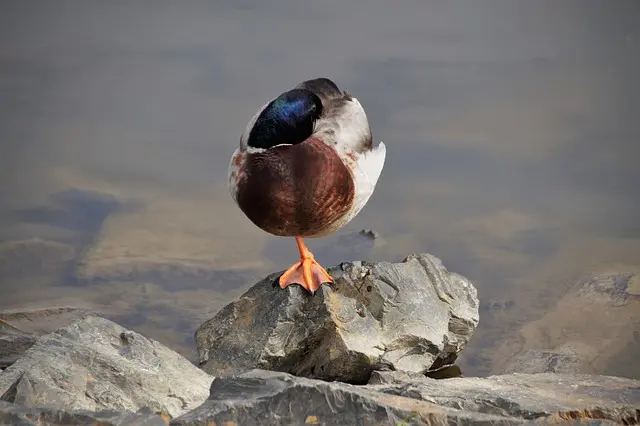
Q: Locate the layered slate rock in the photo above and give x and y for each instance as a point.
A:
(95, 372)
(15, 415)
(552, 397)
(95, 364)
(13, 343)
(413, 315)
(20, 329)
(265, 398)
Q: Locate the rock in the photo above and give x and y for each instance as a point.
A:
(497, 305)
(46, 320)
(260, 397)
(593, 329)
(20, 329)
(548, 396)
(95, 364)
(445, 372)
(12, 414)
(413, 315)
(560, 360)
(618, 287)
(370, 234)
(13, 343)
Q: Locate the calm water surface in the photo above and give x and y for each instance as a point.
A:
(511, 128)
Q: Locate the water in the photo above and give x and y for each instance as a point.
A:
(511, 130)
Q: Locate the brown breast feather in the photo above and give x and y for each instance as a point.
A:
(298, 190)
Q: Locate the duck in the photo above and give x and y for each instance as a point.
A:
(304, 168)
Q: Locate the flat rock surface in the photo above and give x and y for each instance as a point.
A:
(95, 364)
(413, 315)
(528, 396)
(263, 398)
(15, 415)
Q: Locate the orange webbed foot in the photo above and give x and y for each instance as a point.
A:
(307, 272)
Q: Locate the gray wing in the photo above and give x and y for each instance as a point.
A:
(343, 122)
(324, 88)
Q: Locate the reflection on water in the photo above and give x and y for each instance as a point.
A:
(510, 127)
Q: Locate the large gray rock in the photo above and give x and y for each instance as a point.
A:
(413, 315)
(264, 398)
(95, 364)
(553, 397)
(15, 415)
(20, 329)
(13, 343)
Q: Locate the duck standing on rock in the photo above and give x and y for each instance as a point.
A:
(304, 168)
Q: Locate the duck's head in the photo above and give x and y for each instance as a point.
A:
(288, 119)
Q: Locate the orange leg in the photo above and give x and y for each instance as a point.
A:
(307, 272)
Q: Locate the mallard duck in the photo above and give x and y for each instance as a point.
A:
(305, 167)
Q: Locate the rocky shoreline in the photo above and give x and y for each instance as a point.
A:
(377, 348)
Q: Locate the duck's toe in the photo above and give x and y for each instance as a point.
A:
(306, 273)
